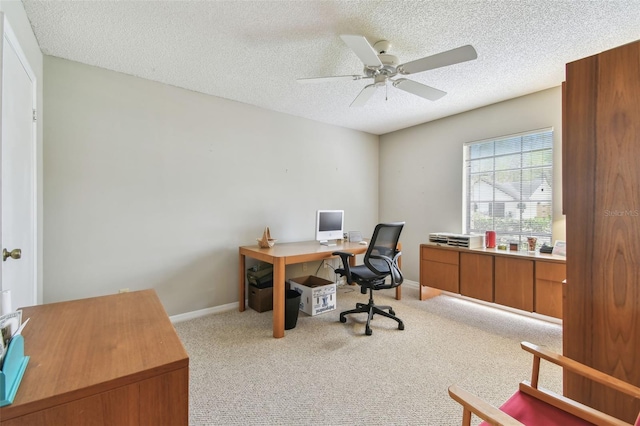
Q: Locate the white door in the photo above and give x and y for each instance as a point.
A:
(18, 171)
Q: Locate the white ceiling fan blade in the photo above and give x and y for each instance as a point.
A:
(330, 78)
(419, 89)
(450, 57)
(362, 49)
(364, 96)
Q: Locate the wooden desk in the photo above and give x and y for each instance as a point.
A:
(113, 360)
(284, 254)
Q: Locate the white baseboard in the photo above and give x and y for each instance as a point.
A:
(412, 284)
(407, 283)
(203, 312)
(231, 306)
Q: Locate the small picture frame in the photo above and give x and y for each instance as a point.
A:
(355, 236)
(560, 248)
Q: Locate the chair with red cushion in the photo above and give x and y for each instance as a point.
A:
(532, 405)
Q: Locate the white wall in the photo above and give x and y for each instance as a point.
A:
(16, 16)
(152, 186)
(421, 167)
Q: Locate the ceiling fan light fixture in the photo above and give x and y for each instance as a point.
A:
(380, 80)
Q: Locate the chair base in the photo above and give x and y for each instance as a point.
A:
(372, 309)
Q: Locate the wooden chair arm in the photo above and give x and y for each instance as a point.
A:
(570, 406)
(581, 369)
(474, 405)
(487, 412)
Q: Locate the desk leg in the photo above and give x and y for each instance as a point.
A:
(278, 297)
(241, 285)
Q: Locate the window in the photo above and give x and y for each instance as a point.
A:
(508, 187)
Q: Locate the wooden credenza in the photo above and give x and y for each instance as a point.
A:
(111, 360)
(528, 282)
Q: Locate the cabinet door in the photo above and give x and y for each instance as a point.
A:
(548, 290)
(514, 283)
(476, 276)
(439, 269)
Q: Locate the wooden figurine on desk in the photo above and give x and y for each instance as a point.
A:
(266, 241)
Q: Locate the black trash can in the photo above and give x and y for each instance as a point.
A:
(291, 309)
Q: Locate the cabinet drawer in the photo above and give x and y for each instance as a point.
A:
(443, 276)
(440, 255)
(551, 271)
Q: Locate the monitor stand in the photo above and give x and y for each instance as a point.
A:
(328, 243)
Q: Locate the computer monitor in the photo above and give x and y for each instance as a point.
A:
(329, 226)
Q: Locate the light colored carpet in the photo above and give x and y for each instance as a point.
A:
(324, 372)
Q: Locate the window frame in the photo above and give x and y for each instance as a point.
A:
(547, 177)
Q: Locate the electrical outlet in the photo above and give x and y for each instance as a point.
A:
(123, 290)
(304, 267)
(326, 264)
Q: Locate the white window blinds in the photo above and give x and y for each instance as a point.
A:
(508, 187)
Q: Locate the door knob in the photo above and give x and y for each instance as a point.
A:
(14, 254)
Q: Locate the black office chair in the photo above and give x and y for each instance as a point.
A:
(380, 262)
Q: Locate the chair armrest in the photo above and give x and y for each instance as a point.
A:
(568, 405)
(473, 404)
(392, 264)
(344, 271)
(487, 412)
(581, 369)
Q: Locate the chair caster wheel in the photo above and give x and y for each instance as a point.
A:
(343, 319)
(391, 311)
(401, 326)
(368, 331)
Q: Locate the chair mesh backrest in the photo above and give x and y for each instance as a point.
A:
(384, 242)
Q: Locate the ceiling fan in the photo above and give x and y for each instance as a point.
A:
(382, 67)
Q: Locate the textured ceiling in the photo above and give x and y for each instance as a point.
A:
(253, 51)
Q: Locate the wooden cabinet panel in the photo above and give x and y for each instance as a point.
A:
(548, 290)
(513, 283)
(442, 255)
(551, 271)
(116, 407)
(601, 325)
(439, 268)
(115, 360)
(476, 276)
(443, 276)
(165, 399)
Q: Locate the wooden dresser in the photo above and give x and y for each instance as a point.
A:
(528, 282)
(111, 360)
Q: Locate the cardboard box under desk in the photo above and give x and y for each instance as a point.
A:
(260, 299)
(317, 294)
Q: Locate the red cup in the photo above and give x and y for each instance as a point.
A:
(490, 239)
